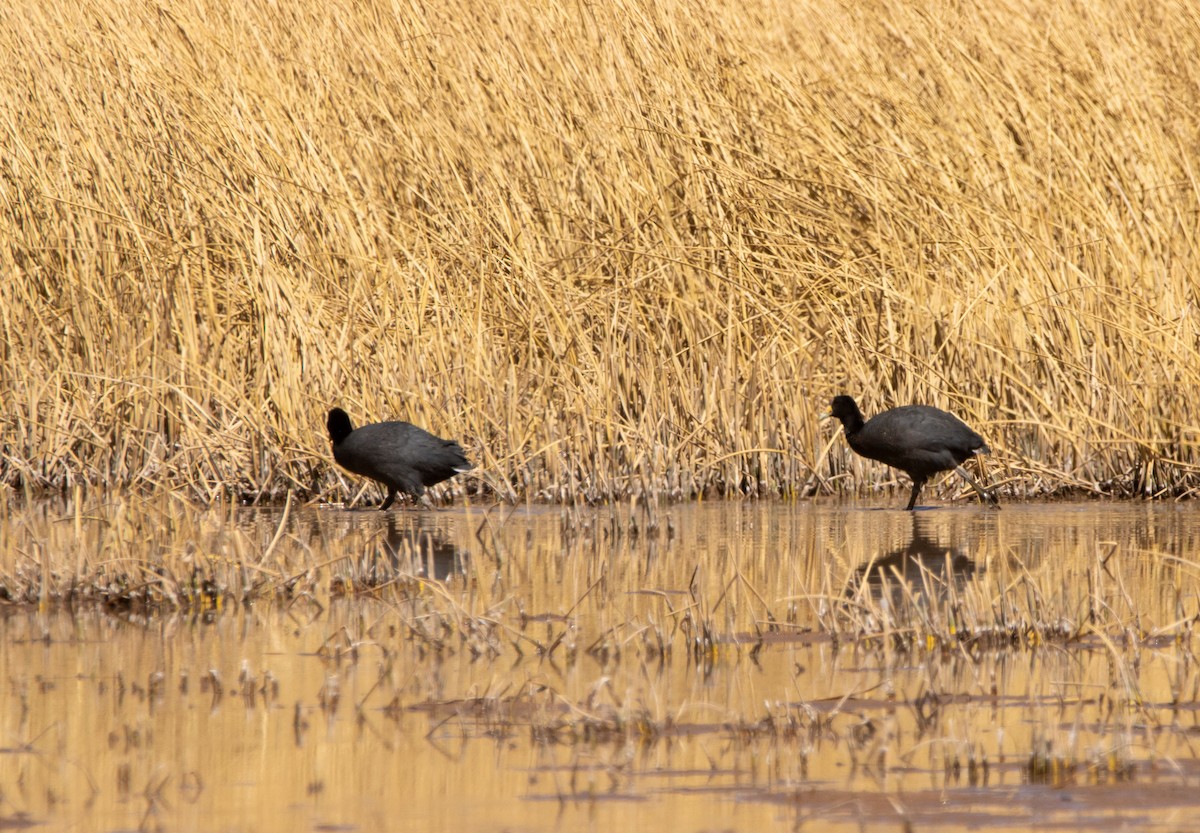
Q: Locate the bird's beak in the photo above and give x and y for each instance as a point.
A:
(825, 416)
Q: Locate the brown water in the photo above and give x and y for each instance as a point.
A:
(695, 668)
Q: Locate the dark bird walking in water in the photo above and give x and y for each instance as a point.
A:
(401, 456)
(920, 440)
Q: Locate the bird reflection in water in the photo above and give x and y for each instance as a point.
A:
(410, 547)
(922, 564)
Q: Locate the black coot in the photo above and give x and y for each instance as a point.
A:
(401, 456)
(920, 440)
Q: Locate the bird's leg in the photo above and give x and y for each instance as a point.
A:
(916, 490)
(388, 502)
(984, 494)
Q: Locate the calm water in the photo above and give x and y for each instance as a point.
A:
(728, 666)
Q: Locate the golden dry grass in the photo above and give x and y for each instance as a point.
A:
(616, 249)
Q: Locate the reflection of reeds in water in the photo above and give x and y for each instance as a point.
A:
(691, 588)
(929, 593)
(557, 639)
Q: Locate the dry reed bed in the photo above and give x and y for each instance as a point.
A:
(628, 249)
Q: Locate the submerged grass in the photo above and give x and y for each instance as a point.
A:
(618, 250)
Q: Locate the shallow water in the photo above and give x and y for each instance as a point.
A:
(709, 666)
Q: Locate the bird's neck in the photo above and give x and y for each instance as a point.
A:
(852, 424)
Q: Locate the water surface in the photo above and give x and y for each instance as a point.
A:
(709, 666)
